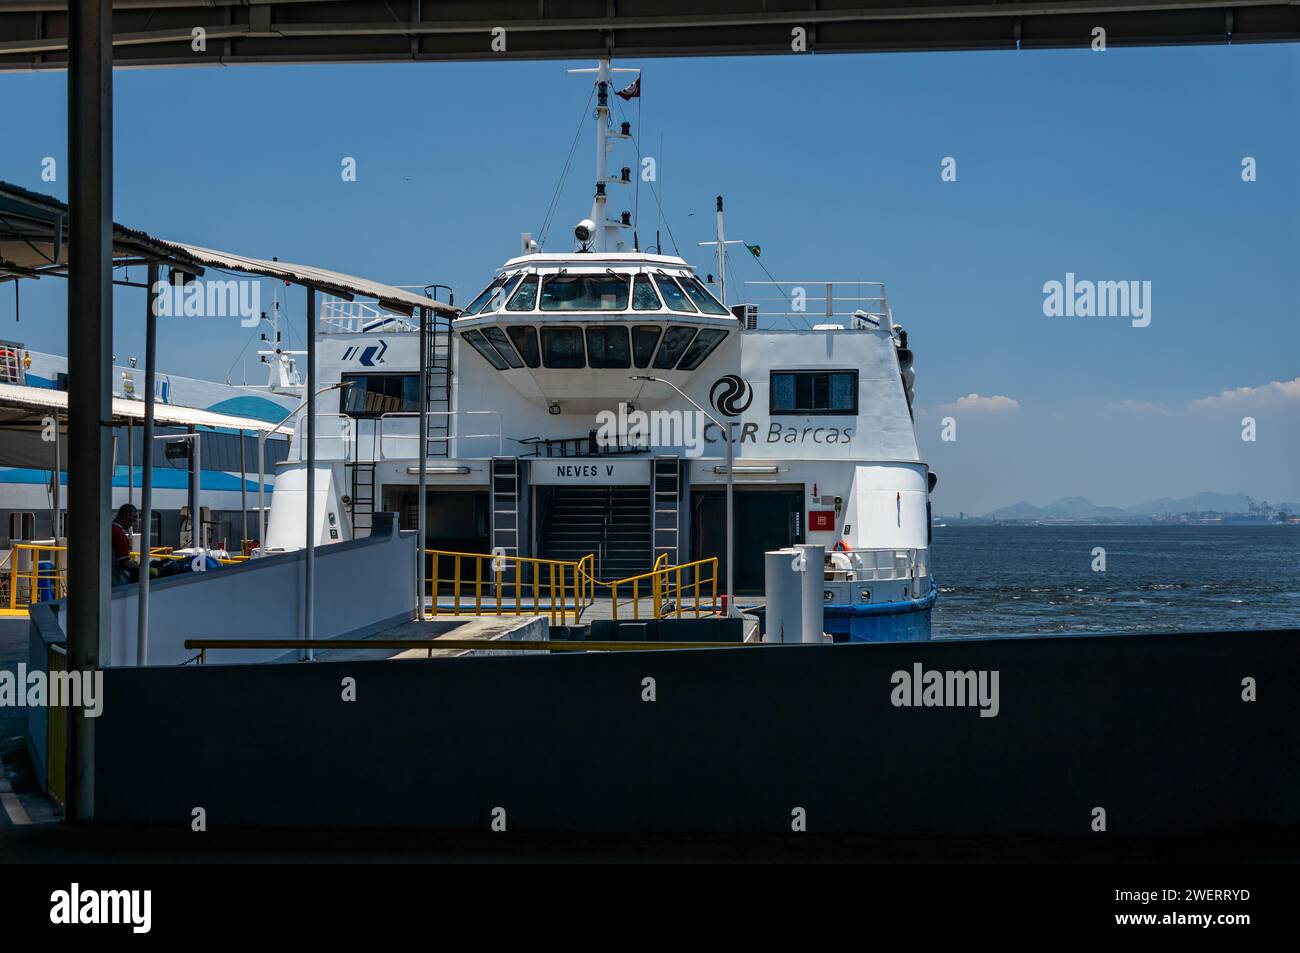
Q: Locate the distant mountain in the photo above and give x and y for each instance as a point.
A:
(1081, 508)
(1070, 508)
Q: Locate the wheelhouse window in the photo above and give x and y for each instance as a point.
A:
(674, 297)
(585, 293)
(497, 338)
(525, 297)
(524, 338)
(562, 348)
(704, 344)
(498, 297)
(675, 343)
(486, 295)
(607, 346)
(644, 297)
(813, 392)
(644, 339)
(373, 394)
(701, 297)
(480, 344)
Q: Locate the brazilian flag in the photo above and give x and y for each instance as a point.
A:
(755, 250)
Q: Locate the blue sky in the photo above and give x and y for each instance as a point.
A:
(1122, 165)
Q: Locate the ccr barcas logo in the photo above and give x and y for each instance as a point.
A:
(102, 908)
(731, 395)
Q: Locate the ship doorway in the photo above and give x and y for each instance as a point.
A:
(610, 523)
(766, 518)
(455, 520)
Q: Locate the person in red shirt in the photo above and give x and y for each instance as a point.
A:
(124, 567)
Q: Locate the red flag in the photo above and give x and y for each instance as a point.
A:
(632, 92)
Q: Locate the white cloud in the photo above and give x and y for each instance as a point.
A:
(1265, 393)
(976, 402)
(1139, 406)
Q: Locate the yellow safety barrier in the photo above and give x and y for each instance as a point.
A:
(485, 584)
(670, 587)
(28, 583)
(449, 645)
(557, 588)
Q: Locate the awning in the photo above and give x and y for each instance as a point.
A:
(333, 282)
(22, 404)
(34, 241)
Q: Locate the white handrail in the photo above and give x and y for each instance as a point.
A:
(452, 439)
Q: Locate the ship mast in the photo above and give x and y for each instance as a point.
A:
(608, 232)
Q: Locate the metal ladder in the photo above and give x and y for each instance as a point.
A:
(505, 511)
(665, 498)
(437, 384)
(363, 498)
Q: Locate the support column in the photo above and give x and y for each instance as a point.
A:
(146, 464)
(90, 343)
(196, 519)
(422, 444)
(243, 494)
(309, 589)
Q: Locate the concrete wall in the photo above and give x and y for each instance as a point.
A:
(362, 586)
(1151, 728)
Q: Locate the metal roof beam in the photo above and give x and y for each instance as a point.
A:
(289, 31)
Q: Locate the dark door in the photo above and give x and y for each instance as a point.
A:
(765, 519)
(454, 520)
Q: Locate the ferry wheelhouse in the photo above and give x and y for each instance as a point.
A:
(582, 404)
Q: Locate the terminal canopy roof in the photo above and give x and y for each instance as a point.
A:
(34, 242)
(23, 410)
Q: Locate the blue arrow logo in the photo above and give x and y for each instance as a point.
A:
(374, 354)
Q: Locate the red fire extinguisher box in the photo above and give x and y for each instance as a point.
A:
(821, 520)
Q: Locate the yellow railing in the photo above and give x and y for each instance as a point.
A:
(25, 577)
(488, 584)
(27, 582)
(669, 588)
(485, 584)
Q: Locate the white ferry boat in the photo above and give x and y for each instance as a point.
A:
(580, 405)
(227, 482)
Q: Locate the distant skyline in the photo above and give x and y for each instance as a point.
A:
(1208, 501)
(1123, 166)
